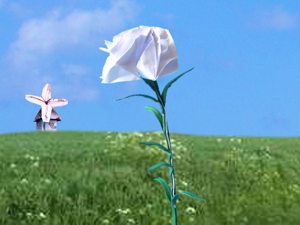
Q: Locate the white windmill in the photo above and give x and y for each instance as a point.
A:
(46, 118)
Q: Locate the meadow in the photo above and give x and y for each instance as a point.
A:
(89, 178)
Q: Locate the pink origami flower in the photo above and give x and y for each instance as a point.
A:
(46, 102)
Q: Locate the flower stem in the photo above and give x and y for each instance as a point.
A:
(171, 162)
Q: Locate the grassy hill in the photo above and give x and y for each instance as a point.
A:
(87, 178)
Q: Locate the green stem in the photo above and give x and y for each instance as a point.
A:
(168, 141)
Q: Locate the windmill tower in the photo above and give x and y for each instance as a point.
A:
(47, 117)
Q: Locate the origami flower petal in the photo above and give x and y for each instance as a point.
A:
(46, 94)
(35, 99)
(114, 73)
(142, 51)
(124, 51)
(149, 59)
(57, 102)
(168, 61)
(46, 113)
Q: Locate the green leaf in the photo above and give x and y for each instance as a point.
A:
(192, 195)
(168, 85)
(152, 84)
(139, 95)
(157, 114)
(165, 186)
(175, 199)
(158, 166)
(157, 145)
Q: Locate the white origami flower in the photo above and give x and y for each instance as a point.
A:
(144, 51)
(46, 102)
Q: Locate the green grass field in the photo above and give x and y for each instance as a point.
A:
(87, 178)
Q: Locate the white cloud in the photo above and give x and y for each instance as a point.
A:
(50, 49)
(55, 31)
(76, 83)
(277, 19)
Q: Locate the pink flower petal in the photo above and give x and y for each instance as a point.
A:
(35, 99)
(46, 94)
(57, 102)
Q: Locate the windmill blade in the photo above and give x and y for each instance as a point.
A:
(35, 99)
(46, 113)
(46, 94)
(57, 102)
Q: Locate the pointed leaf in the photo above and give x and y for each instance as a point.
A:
(192, 195)
(139, 95)
(175, 199)
(158, 166)
(152, 84)
(168, 85)
(163, 148)
(157, 114)
(165, 186)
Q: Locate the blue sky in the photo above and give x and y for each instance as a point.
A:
(246, 56)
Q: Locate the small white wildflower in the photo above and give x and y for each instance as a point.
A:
(190, 210)
(13, 165)
(191, 219)
(142, 211)
(231, 139)
(105, 221)
(42, 215)
(219, 140)
(138, 134)
(31, 157)
(184, 183)
(149, 206)
(177, 156)
(184, 149)
(29, 214)
(119, 210)
(239, 140)
(35, 164)
(24, 181)
(47, 181)
(131, 221)
(126, 211)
